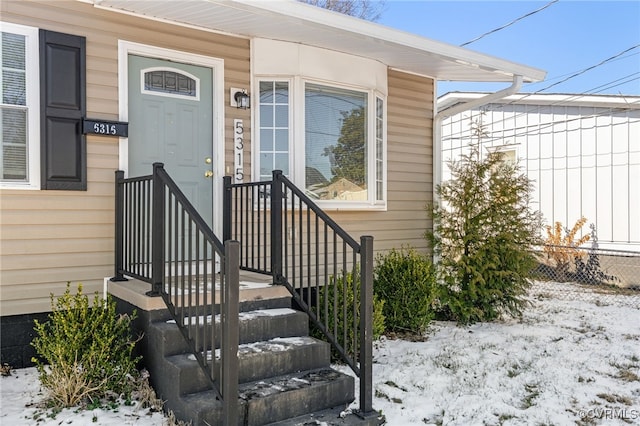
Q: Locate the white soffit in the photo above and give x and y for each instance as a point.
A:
(292, 21)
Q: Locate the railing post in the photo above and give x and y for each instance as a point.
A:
(226, 208)
(366, 328)
(119, 229)
(157, 233)
(230, 332)
(276, 226)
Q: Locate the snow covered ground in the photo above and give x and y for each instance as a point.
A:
(565, 362)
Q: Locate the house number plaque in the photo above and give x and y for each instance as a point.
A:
(238, 150)
(105, 128)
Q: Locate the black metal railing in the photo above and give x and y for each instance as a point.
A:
(283, 233)
(161, 239)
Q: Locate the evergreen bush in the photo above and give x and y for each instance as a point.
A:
(483, 234)
(85, 350)
(406, 281)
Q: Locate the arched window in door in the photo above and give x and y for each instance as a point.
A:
(170, 82)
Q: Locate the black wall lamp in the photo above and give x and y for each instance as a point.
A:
(240, 98)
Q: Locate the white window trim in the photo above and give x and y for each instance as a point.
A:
(297, 128)
(255, 129)
(32, 64)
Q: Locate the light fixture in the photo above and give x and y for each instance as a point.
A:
(240, 98)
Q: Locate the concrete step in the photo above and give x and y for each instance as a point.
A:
(292, 395)
(276, 399)
(255, 326)
(336, 416)
(259, 360)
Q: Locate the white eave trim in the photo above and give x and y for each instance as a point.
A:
(397, 38)
(295, 22)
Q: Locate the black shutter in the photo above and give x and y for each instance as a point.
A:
(62, 107)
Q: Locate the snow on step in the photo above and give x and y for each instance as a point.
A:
(242, 316)
(278, 344)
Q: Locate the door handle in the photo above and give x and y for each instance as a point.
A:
(208, 174)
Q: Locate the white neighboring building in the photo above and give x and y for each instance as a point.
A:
(581, 151)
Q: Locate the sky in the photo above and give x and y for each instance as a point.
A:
(563, 39)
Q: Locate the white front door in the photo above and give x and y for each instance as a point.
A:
(171, 122)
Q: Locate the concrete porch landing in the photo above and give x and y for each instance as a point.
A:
(253, 287)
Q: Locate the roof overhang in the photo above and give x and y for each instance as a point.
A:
(292, 21)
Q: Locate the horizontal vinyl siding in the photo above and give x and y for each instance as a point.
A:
(48, 238)
(409, 169)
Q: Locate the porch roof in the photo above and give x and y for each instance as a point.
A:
(292, 21)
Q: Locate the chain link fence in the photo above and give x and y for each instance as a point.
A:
(592, 274)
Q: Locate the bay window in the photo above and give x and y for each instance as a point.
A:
(329, 140)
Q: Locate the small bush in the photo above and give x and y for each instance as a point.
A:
(563, 249)
(87, 349)
(336, 300)
(406, 281)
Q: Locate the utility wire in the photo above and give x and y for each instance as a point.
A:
(536, 109)
(465, 132)
(510, 23)
(555, 78)
(590, 68)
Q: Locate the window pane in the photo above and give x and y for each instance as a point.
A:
(266, 116)
(266, 164)
(379, 149)
(282, 163)
(14, 144)
(266, 92)
(170, 82)
(282, 140)
(13, 55)
(282, 116)
(14, 87)
(282, 92)
(266, 140)
(13, 69)
(274, 127)
(335, 143)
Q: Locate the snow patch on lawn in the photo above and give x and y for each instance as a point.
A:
(563, 363)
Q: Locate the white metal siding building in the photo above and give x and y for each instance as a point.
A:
(581, 151)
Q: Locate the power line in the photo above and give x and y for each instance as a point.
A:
(554, 78)
(577, 96)
(589, 68)
(510, 23)
(611, 85)
(538, 127)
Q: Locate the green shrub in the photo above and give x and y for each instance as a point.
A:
(484, 232)
(86, 349)
(335, 300)
(406, 281)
